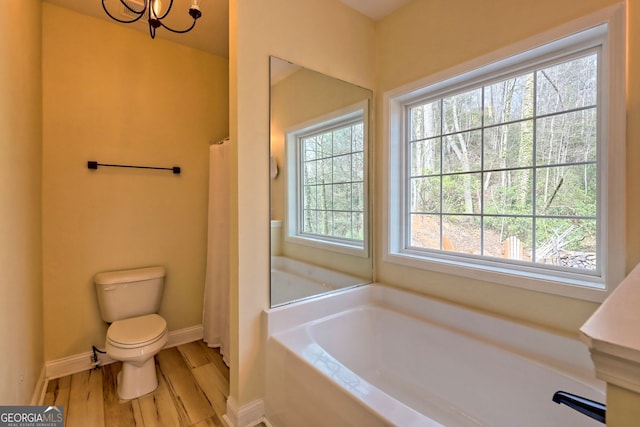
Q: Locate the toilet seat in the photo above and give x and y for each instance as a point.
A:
(137, 331)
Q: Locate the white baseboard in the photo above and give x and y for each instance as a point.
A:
(40, 388)
(184, 335)
(82, 362)
(248, 415)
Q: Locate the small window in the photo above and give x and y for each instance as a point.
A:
(326, 194)
(502, 172)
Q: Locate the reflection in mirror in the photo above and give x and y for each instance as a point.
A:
(319, 184)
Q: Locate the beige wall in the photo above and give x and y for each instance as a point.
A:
(322, 35)
(633, 134)
(113, 95)
(21, 357)
(623, 406)
(451, 33)
(442, 47)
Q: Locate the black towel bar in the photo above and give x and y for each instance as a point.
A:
(94, 165)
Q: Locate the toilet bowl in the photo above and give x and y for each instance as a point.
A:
(129, 301)
(135, 342)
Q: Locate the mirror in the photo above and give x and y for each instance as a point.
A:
(320, 237)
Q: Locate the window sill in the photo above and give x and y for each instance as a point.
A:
(568, 287)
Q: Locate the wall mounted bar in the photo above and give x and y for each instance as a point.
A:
(590, 408)
(94, 165)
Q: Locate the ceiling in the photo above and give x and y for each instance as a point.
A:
(211, 33)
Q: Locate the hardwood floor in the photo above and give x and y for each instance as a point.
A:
(192, 391)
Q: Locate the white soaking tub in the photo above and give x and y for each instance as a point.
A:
(292, 280)
(376, 356)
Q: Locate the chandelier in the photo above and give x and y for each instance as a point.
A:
(154, 12)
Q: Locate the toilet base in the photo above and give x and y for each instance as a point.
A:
(135, 381)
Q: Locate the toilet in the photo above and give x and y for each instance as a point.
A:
(129, 301)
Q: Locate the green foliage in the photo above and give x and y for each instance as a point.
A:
(521, 153)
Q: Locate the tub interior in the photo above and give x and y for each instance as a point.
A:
(452, 378)
(409, 360)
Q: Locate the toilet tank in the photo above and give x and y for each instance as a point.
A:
(129, 293)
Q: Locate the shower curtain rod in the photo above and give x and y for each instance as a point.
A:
(91, 164)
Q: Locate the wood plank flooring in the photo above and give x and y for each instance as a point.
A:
(192, 391)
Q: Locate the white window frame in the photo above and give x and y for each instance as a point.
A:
(605, 29)
(293, 195)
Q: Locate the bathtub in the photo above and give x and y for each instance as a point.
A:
(376, 356)
(293, 280)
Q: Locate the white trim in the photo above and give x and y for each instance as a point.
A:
(184, 336)
(40, 388)
(82, 362)
(249, 415)
(613, 197)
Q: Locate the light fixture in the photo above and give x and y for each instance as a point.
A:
(154, 12)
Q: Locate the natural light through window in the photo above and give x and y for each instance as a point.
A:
(509, 171)
(333, 182)
(326, 195)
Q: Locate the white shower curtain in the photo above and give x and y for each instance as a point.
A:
(215, 318)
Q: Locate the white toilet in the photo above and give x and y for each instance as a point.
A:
(129, 301)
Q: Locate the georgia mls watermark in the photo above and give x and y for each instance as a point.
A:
(31, 416)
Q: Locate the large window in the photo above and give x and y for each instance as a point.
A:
(326, 194)
(508, 169)
(505, 169)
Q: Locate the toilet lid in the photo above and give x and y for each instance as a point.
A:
(137, 331)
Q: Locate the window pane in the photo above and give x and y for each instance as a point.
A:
(509, 146)
(357, 166)
(342, 169)
(567, 138)
(325, 222)
(508, 192)
(342, 141)
(425, 121)
(567, 190)
(425, 195)
(462, 152)
(357, 221)
(508, 237)
(463, 111)
(342, 224)
(310, 199)
(509, 100)
(357, 197)
(567, 243)
(309, 222)
(425, 231)
(503, 169)
(425, 157)
(324, 197)
(461, 234)
(572, 84)
(310, 172)
(310, 148)
(357, 132)
(341, 197)
(325, 145)
(325, 171)
(461, 193)
(331, 173)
